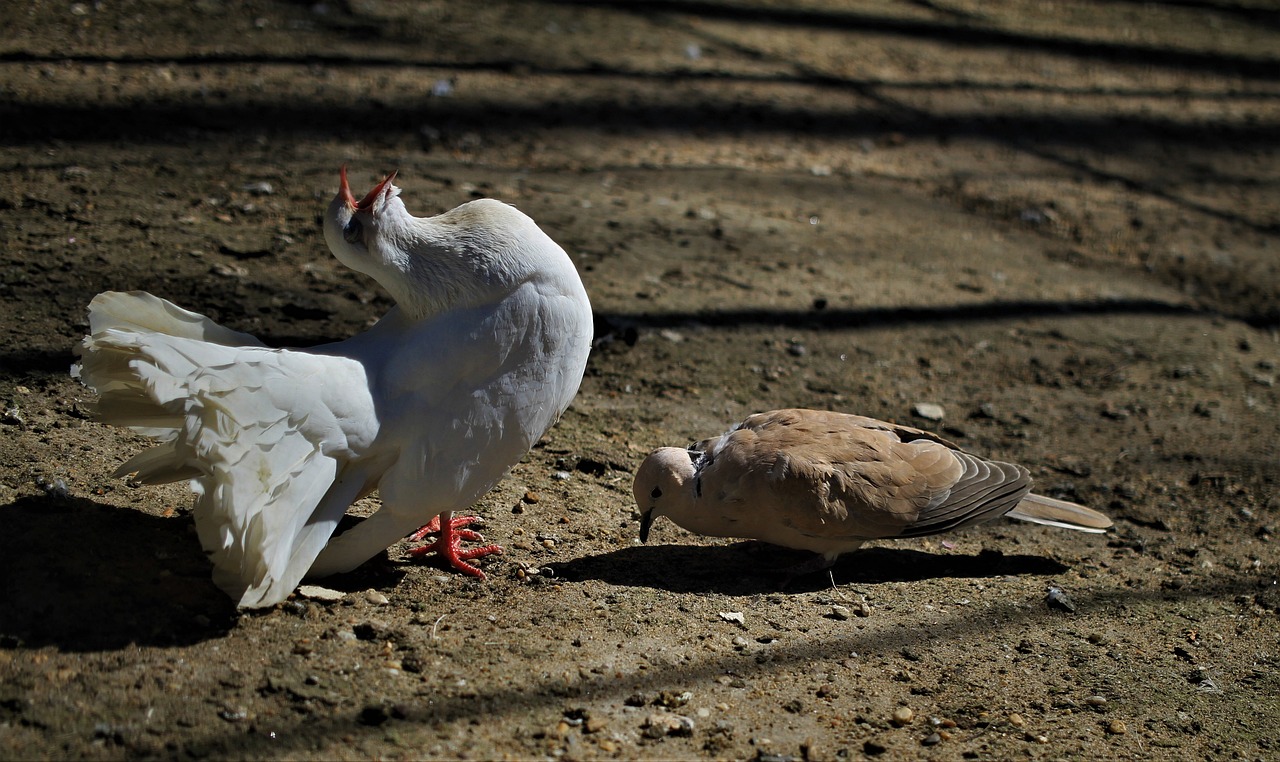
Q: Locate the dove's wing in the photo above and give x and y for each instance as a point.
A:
(841, 479)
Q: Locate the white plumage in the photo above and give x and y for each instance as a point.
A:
(483, 352)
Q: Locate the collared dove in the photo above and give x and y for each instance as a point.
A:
(483, 351)
(827, 482)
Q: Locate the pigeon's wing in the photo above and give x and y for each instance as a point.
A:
(831, 476)
(269, 440)
(281, 467)
(141, 312)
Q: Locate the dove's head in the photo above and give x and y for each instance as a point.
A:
(477, 253)
(664, 486)
(358, 231)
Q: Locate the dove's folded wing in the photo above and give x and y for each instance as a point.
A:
(829, 475)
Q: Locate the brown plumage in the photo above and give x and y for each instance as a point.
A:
(827, 482)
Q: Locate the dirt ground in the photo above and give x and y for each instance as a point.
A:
(1058, 221)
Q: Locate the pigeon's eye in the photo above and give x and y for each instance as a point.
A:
(353, 232)
(657, 493)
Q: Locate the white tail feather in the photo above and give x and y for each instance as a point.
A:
(250, 427)
(1049, 511)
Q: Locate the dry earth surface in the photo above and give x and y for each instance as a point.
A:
(1058, 221)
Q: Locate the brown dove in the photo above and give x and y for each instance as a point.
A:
(827, 482)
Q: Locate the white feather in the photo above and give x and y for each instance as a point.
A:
(431, 406)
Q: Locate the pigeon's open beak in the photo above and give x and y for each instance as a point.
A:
(366, 203)
(646, 521)
(345, 190)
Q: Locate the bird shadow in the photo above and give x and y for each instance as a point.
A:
(86, 576)
(739, 569)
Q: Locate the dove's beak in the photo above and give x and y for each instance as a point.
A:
(366, 203)
(646, 521)
(345, 190)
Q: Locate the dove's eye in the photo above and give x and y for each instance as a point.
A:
(657, 493)
(353, 232)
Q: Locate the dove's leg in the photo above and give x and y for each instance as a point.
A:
(449, 543)
(359, 543)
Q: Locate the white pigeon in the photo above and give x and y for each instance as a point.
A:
(483, 351)
(827, 482)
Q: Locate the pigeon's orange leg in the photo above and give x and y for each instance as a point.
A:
(452, 532)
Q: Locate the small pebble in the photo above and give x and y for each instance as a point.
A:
(1117, 728)
(1016, 720)
(595, 724)
(1096, 701)
(376, 598)
(902, 716)
(933, 739)
(673, 699)
(1057, 599)
(929, 411)
(841, 612)
(659, 725)
(1037, 738)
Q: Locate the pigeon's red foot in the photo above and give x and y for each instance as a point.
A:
(449, 543)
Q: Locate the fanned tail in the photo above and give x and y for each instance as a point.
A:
(249, 427)
(1039, 509)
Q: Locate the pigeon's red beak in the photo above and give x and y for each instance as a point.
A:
(365, 203)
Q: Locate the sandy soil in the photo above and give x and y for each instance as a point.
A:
(1058, 221)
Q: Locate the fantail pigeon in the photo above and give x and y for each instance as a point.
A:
(483, 351)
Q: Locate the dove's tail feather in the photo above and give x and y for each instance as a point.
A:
(248, 426)
(1049, 511)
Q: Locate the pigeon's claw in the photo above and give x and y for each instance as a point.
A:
(456, 524)
(452, 532)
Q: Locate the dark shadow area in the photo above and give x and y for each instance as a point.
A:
(749, 568)
(83, 576)
(881, 317)
(174, 124)
(957, 33)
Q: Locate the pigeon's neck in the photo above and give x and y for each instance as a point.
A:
(471, 255)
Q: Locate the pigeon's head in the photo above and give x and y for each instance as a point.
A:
(663, 487)
(357, 232)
